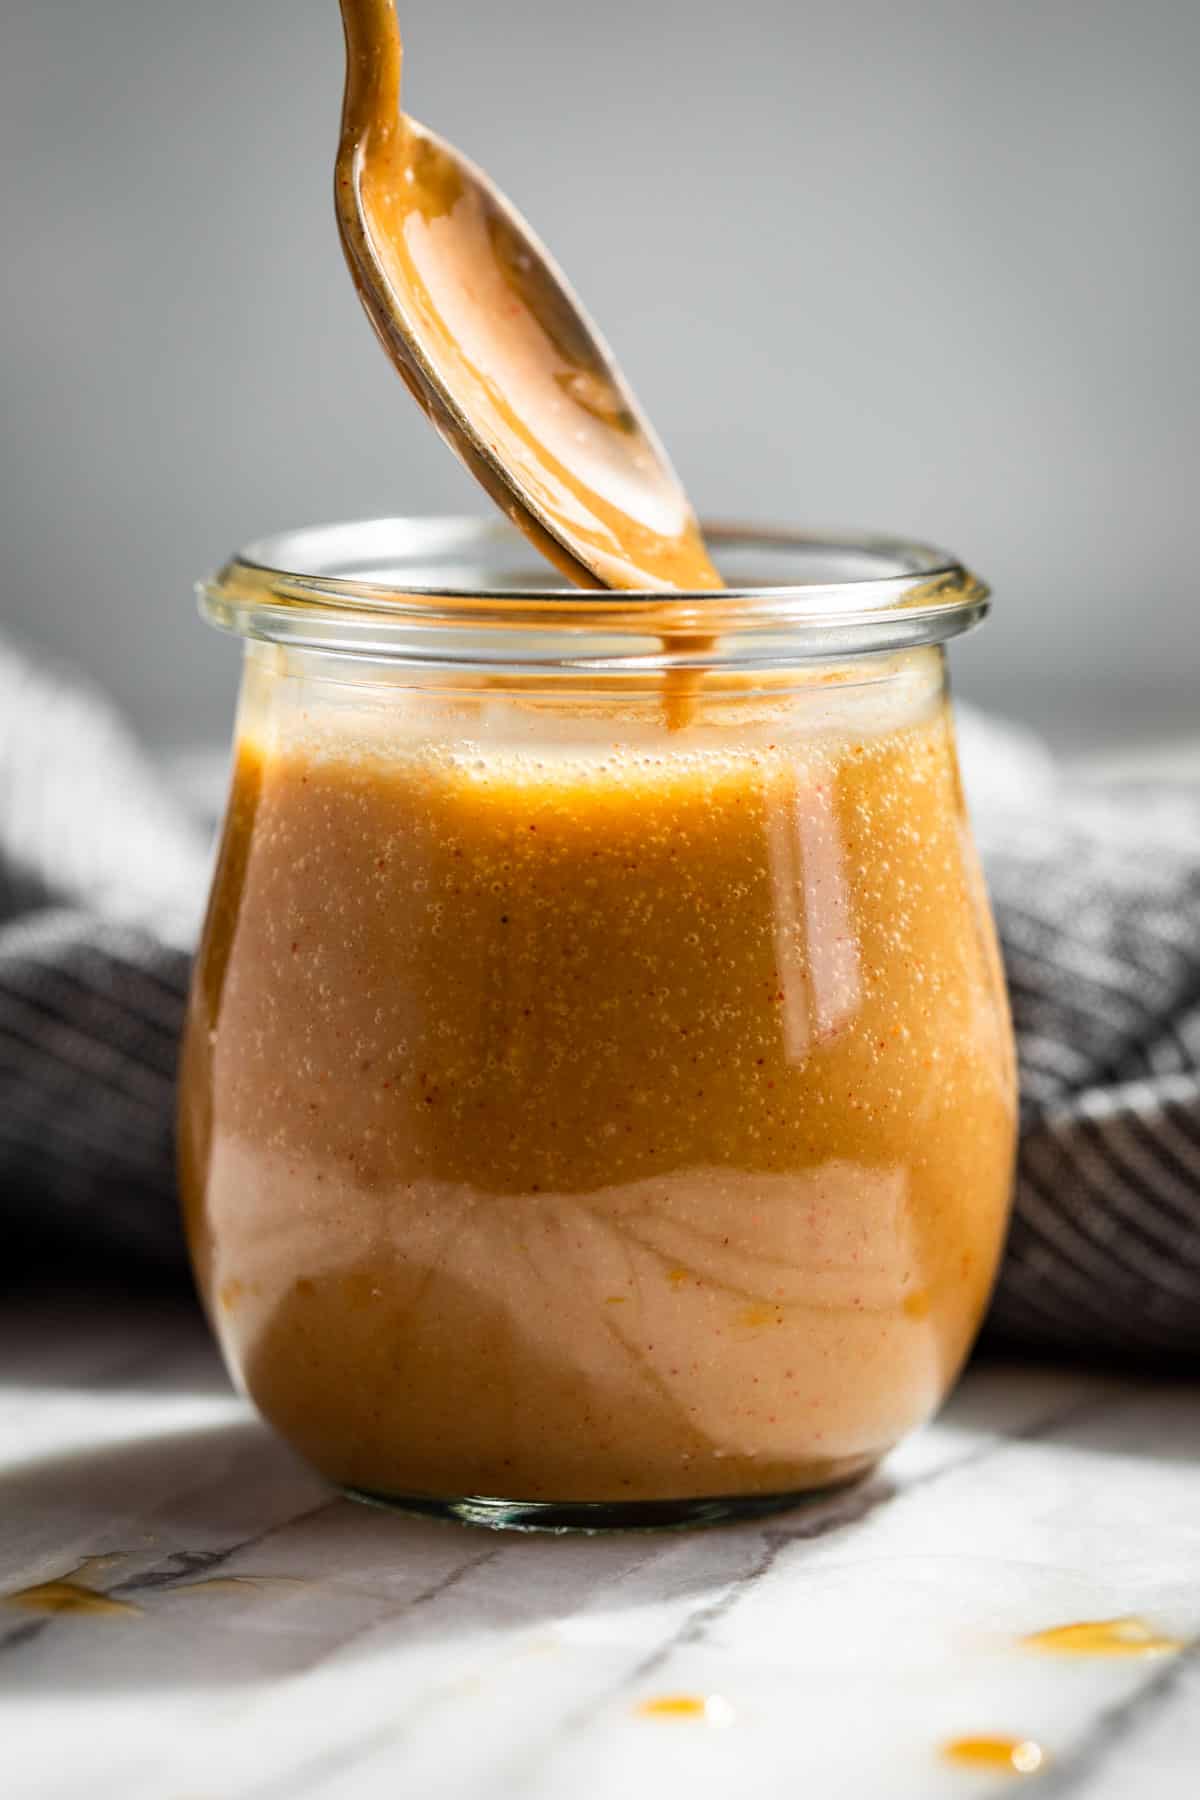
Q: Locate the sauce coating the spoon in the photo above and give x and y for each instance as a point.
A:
(494, 345)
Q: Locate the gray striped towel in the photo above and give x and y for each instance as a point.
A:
(103, 868)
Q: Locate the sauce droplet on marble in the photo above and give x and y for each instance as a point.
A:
(708, 1709)
(1011, 1755)
(1128, 1636)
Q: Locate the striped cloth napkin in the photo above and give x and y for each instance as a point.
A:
(103, 868)
(1096, 885)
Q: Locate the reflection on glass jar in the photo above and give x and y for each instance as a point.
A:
(589, 1099)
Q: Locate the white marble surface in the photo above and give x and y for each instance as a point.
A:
(364, 1654)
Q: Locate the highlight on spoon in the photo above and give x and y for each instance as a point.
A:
(493, 343)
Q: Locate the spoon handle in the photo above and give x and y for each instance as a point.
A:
(373, 59)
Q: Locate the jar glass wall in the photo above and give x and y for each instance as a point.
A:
(597, 1102)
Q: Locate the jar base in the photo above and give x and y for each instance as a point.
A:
(591, 1516)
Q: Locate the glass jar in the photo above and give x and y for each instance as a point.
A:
(598, 1098)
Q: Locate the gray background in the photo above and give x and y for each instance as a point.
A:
(910, 265)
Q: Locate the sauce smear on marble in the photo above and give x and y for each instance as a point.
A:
(71, 1593)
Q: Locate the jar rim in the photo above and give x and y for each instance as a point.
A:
(443, 590)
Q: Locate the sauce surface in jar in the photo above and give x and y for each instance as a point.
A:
(577, 1109)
